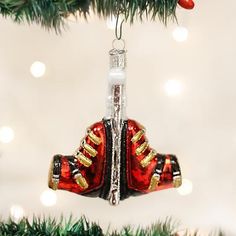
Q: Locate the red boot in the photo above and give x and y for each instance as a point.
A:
(88, 171)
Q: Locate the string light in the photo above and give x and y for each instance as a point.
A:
(38, 69)
(48, 198)
(17, 212)
(173, 87)
(186, 187)
(6, 134)
(180, 34)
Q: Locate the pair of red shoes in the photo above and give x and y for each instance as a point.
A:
(88, 171)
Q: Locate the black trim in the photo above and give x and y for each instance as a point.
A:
(56, 167)
(160, 164)
(107, 176)
(74, 170)
(175, 165)
(124, 191)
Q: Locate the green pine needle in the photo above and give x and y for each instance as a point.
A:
(82, 227)
(52, 14)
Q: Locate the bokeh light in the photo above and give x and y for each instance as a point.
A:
(186, 187)
(173, 87)
(180, 34)
(48, 198)
(17, 212)
(111, 22)
(6, 134)
(38, 69)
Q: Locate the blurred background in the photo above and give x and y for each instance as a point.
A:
(181, 85)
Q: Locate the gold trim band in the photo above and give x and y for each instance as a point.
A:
(83, 159)
(81, 181)
(89, 149)
(138, 136)
(177, 181)
(141, 148)
(93, 137)
(55, 183)
(154, 182)
(146, 160)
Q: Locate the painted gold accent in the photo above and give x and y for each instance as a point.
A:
(83, 159)
(141, 148)
(154, 182)
(89, 149)
(55, 184)
(52, 183)
(93, 137)
(138, 136)
(146, 160)
(177, 181)
(81, 181)
(167, 161)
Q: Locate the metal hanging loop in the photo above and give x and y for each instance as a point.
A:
(118, 44)
(118, 34)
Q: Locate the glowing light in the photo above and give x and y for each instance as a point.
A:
(38, 69)
(6, 134)
(173, 87)
(186, 187)
(111, 22)
(17, 212)
(48, 198)
(180, 34)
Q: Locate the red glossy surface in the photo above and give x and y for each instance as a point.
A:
(93, 174)
(137, 176)
(187, 4)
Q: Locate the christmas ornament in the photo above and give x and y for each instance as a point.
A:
(114, 160)
(187, 4)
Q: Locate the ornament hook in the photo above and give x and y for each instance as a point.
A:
(118, 36)
(120, 47)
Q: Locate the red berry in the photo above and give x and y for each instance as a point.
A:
(187, 4)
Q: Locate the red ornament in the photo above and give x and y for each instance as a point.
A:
(88, 171)
(114, 160)
(187, 4)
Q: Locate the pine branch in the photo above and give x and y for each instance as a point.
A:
(53, 13)
(82, 227)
